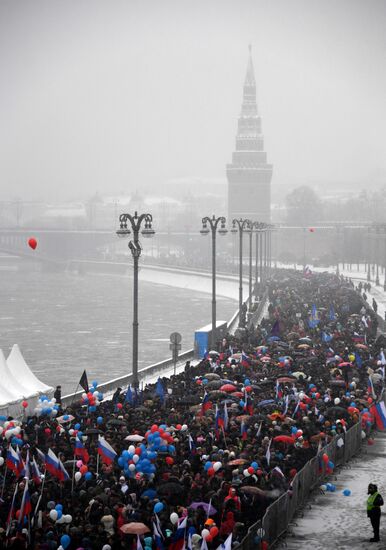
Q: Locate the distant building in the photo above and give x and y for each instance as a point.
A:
(249, 175)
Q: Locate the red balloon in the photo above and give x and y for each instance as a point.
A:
(251, 470)
(138, 451)
(83, 469)
(25, 404)
(169, 460)
(178, 427)
(248, 388)
(211, 472)
(119, 405)
(47, 431)
(213, 531)
(154, 428)
(264, 545)
(32, 242)
(209, 538)
(325, 458)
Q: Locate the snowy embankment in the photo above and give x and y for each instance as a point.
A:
(334, 521)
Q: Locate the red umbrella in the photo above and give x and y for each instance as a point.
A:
(284, 439)
(135, 528)
(228, 387)
(344, 364)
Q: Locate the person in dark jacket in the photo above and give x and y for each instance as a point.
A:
(374, 503)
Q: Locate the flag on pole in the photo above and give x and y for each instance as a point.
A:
(81, 451)
(226, 418)
(379, 412)
(14, 462)
(370, 388)
(192, 445)
(157, 536)
(139, 544)
(12, 509)
(25, 507)
(206, 404)
(52, 464)
(227, 545)
(36, 475)
(129, 396)
(243, 431)
(178, 538)
(268, 453)
(83, 382)
(106, 451)
(159, 390)
(358, 360)
(275, 330)
(62, 472)
(331, 313)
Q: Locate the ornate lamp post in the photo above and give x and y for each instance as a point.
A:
(213, 223)
(135, 223)
(240, 226)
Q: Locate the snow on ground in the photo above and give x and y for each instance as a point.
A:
(334, 521)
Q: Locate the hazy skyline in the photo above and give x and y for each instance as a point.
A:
(122, 95)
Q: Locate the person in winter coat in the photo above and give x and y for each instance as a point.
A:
(374, 503)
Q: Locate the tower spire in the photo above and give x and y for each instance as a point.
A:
(250, 74)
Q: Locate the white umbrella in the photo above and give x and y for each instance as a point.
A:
(134, 437)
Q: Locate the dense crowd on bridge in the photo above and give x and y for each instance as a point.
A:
(196, 459)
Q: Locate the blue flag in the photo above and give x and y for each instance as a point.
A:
(275, 330)
(129, 396)
(159, 390)
(326, 337)
(331, 314)
(358, 360)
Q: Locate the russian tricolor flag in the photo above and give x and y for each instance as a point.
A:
(157, 536)
(62, 472)
(245, 362)
(81, 451)
(14, 462)
(206, 404)
(379, 412)
(26, 507)
(52, 463)
(105, 451)
(243, 430)
(178, 539)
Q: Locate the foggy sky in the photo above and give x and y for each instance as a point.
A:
(112, 96)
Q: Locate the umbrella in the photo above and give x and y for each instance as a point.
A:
(211, 376)
(213, 352)
(63, 420)
(284, 439)
(252, 490)
(292, 335)
(341, 383)
(273, 339)
(265, 359)
(235, 356)
(237, 462)
(304, 346)
(238, 394)
(135, 438)
(228, 388)
(298, 374)
(171, 488)
(217, 394)
(306, 340)
(135, 528)
(92, 431)
(285, 379)
(336, 411)
(345, 364)
(359, 346)
(190, 399)
(208, 508)
(265, 402)
(116, 422)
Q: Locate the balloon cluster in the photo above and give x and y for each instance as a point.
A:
(46, 407)
(212, 467)
(93, 398)
(11, 430)
(56, 515)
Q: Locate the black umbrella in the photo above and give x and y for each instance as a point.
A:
(190, 400)
(116, 422)
(171, 488)
(92, 431)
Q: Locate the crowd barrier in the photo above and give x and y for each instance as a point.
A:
(280, 513)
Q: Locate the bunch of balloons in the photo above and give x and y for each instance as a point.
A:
(56, 514)
(46, 407)
(11, 431)
(93, 398)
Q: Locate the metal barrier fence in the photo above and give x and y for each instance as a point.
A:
(281, 512)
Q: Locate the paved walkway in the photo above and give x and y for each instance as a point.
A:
(334, 521)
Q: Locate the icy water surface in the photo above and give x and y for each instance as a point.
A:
(65, 323)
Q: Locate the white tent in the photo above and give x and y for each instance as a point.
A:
(18, 383)
(21, 371)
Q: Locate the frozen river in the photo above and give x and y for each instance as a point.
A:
(65, 323)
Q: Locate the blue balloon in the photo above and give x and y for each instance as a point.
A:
(331, 465)
(254, 465)
(99, 420)
(207, 465)
(65, 541)
(65, 417)
(158, 507)
(347, 492)
(60, 513)
(59, 507)
(247, 382)
(77, 426)
(172, 449)
(79, 435)
(121, 462)
(88, 476)
(205, 381)
(294, 430)
(94, 383)
(242, 403)
(3, 418)
(92, 408)
(100, 396)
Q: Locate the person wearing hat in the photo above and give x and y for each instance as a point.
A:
(374, 503)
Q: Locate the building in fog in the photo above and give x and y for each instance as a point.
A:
(249, 175)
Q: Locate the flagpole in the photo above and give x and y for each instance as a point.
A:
(97, 471)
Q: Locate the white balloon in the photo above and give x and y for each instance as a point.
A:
(135, 459)
(17, 430)
(67, 518)
(77, 476)
(1, 460)
(131, 449)
(61, 520)
(131, 467)
(71, 432)
(246, 473)
(84, 395)
(53, 515)
(184, 427)
(53, 399)
(54, 412)
(6, 424)
(336, 401)
(205, 533)
(174, 518)
(217, 466)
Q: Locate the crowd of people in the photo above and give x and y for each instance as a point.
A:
(198, 457)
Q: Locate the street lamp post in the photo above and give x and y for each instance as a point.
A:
(377, 254)
(135, 223)
(242, 225)
(213, 223)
